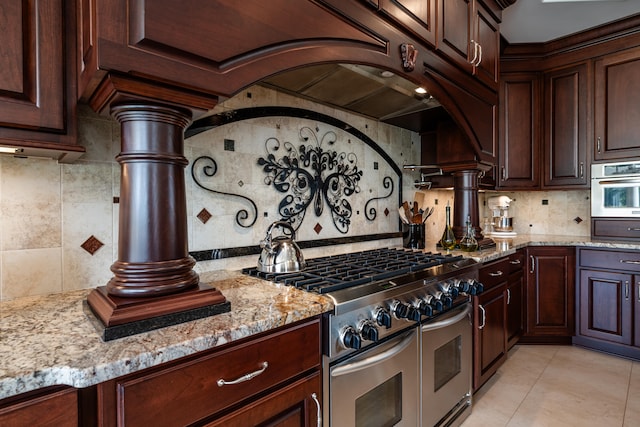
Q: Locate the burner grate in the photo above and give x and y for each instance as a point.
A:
(335, 272)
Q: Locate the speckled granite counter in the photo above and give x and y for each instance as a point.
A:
(49, 340)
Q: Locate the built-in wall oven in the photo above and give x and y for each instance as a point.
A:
(615, 190)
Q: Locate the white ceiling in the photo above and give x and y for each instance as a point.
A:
(532, 21)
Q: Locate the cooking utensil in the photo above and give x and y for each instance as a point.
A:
(280, 254)
(403, 215)
(416, 216)
(427, 214)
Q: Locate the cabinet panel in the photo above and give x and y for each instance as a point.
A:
(37, 82)
(617, 112)
(605, 308)
(519, 140)
(515, 312)
(189, 392)
(55, 408)
(550, 292)
(566, 121)
(296, 405)
(417, 16)
(487, 35)
(636, 310)
(490, 346)
(454, 31)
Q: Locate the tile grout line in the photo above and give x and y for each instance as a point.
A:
(555, 352)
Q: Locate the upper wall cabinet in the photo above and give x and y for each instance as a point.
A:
(469, 34)
(566, 118)
(37, 81)
(520, 128)
(419, 17)
(617, 110)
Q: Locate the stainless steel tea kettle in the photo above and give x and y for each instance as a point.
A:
(280, 254)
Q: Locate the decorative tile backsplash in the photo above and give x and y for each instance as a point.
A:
(53, 215)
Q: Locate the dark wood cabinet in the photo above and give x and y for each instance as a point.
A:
(418, 17)
(515, 298)
(605, 305)
(566, 121)
(51, 407)
(273, 376)
(469, 34)
(37, 82)
(490, 322)
(617, 111)
(550, 295)
(609, 301)
(520, 129)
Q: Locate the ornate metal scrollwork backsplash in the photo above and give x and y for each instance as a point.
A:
(209, 167)
(371, 213)
(312, 175)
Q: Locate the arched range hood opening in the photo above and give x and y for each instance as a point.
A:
(368, 91)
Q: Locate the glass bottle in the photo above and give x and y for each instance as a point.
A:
(468, 243)
(448, 240)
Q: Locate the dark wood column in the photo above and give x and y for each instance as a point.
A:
(154, 284)
(153, 256)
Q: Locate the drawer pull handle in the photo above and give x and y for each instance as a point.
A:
(496, 274)
(319, 409)
(638, 291)
(633, 229)
(629, 261)
(533, 264)
(246, 377)
(508, 296)
(484, 316)
(515, 262)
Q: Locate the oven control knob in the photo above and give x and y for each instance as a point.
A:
(476, 288)
(413, 314)
(400, 310)
(464, 285)
(368, 331)
(383, 318)
(425, 308)
(350, 338)
(449, 287)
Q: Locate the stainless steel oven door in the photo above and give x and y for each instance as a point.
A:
(378, 387)
(446, 368)
(615, 197)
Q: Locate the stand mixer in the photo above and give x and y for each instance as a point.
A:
(501, 221)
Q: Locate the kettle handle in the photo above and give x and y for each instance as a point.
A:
(266, 243)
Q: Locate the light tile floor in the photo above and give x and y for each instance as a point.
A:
(558, 386)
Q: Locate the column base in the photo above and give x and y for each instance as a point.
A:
(117, 317)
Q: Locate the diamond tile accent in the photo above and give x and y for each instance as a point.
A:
(578, 220)
(204, 216)
(386, 211)
(317, 228)
(92, 244)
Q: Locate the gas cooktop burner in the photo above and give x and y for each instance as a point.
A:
(333, 273)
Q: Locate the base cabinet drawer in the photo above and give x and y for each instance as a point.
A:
(57, 407)
(615, 229)
(195, 390)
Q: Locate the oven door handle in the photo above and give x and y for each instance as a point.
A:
(620, 181)
(449, 321)
(375, 359)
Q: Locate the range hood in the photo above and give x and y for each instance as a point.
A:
(364, 90)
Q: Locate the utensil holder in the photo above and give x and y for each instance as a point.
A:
(413, 236)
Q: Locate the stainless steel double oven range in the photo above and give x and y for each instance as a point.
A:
(398, 346)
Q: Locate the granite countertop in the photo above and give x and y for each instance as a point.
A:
(49, 340)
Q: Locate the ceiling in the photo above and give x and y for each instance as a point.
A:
(536, 21)
(367, 91)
